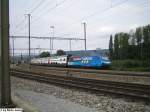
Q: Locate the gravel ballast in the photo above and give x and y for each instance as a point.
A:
(48, 103)
(99, 102)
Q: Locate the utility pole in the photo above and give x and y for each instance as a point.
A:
(50, 42)
(70, 44)
(13, 39)
(21, 58)
(5, 91)
(84, 24)
(29, 17)
(51, 39)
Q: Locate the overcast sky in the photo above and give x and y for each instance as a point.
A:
(103, 18)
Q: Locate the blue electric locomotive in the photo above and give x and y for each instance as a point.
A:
(88, 61)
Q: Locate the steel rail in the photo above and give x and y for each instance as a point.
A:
(95, 71)
(67, 73)
(90, 85)
(88, 80)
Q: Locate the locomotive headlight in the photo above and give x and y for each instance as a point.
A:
(107, 62)
(105, 58)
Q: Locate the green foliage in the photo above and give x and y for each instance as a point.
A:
(44, 54)
(116, 47)
(111, 47)
(131, 65)
(131, 51)
(60, 52)
(132, 45)
(123, 45)
(126, 63)
(138, 35)
(141, 69)
(146, 44)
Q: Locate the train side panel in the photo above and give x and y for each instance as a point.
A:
(51, 61)
(73, 61)
(88, 61)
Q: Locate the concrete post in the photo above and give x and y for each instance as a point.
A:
(0, 60)
(5, 93)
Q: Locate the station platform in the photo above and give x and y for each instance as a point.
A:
(40, 102)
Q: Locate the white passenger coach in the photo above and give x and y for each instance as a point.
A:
(54, 61)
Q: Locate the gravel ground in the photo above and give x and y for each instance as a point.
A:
(99, 102)
(48, 103)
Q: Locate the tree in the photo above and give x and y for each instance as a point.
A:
(116, 47)
(146, 43)
(60, 52)
(132, 48)
(123, 45)
(138, 35)
(132, 39)
(132, 45)
(44, 54)
(110, 48)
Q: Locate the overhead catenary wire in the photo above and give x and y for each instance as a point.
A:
(99, 12)
(49, 10)
(114, 5)
(31, 5)
(145, 5)
(20, 26)
(95, 12)
(37, 6)
(34, 9)
(102, 11)
(21, 22)
(23, 19)
(106, 18)
(105, 10)
(56, 38)
(45, 5)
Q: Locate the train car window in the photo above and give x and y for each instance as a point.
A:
(70, 59)
(87, 61)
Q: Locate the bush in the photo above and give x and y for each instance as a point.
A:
(60, 52)
(129, 64)
(44, 54)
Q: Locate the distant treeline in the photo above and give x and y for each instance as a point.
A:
(132, 45)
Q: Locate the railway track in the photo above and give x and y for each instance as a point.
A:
(92, 74)
(134, 91)
(95, 71)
